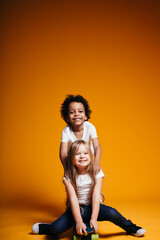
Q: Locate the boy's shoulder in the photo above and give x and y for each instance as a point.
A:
(66, 128)
(88, 124)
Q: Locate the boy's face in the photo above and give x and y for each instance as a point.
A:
(76, 114)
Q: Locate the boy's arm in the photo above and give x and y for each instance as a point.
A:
(97, 154)
(63, 153)
(96, 203)
(80, 226)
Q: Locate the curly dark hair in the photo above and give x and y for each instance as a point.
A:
(74, 98)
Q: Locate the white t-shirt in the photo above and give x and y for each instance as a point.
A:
(89, 132)
(84, 184)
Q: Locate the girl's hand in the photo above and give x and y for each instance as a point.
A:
(94, 224)
(80, 228)
(96, 169)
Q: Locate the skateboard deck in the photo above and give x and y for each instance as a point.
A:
(90, 235)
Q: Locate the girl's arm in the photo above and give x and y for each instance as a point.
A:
(96, 203)
(97, 154)
(80, 226)
(63, 153)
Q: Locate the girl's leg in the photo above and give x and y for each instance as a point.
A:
(107, 213)
(110, 214)
(59, 226)
(63, 223)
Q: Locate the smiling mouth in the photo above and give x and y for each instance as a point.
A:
(81, 161)
(75, 119)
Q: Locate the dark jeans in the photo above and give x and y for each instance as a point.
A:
(106, 213)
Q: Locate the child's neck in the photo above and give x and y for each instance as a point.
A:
(78, 131)
(77, 128)
(82, 171)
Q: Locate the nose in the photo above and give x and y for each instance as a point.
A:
(82, 155)
(76, 113)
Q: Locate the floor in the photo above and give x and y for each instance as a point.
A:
(16, 222)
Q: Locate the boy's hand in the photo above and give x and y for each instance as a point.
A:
(80, 228)
(94, 224)
(96, 169)
(66, 175)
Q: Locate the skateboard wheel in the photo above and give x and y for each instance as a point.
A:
(85, 234)
(76, 237)
(94, 237)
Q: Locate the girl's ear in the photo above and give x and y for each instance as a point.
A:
(85, 118)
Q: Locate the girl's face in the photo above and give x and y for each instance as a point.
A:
(81, 158)
(76, 114)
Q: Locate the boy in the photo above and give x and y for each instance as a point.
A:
(75, 111)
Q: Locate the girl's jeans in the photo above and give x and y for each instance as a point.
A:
(106, 213)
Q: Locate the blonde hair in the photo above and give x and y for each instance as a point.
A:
(72, 172)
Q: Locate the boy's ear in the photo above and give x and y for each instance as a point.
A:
(67, 120)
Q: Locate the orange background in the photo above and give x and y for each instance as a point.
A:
(107, 51)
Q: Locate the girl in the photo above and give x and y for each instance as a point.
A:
(75, 111)
(84, 198)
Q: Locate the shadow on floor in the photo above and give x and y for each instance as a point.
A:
(66, 235)
(51, 237)
(109, 235)
(70, 236)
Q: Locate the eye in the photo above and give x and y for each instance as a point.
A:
(77, 153)
(86, 153)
